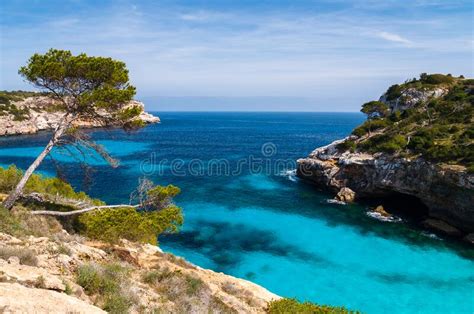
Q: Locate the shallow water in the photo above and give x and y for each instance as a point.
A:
(257, 221)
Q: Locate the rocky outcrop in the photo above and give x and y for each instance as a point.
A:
(44, 114)
(38, 275)
(16, 298)
(410, 97)
(447, 191)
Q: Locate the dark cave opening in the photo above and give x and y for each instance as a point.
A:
(403, 205)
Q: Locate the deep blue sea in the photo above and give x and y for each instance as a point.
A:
(248, 216)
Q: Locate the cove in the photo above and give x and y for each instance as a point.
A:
(266, 226)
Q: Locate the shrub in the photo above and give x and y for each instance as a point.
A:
(375, 109)
(109, 283)
(394, 144)
(9, 223)
(347, 145)
(194, 285)
(26, 256)
(151, 277)
(384, 143)
(155, 214)
(393, 92)
(110, 225)
(40, 282)
(285, 306)
(10, 176)
(436, 78)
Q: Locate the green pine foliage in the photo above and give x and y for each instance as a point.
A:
(110, 225)
(158, 214)
(51, 186)
(440, 130)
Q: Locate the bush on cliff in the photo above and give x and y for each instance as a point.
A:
(157, 212)
(109, 283)
(155, 215)
(110, 225)
(439, 130)
(284, 306)
(52, 186)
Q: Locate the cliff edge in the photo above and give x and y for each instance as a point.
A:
(28, 113)
(67, 273)
(417, 141)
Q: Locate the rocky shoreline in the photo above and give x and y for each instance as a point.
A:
(41, 273)
(43, 114)
(398, 152)
(447, 191)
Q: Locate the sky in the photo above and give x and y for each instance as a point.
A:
(327, 55)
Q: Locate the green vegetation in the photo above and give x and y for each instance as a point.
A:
(375, 109)
(110, 225)
(48, 186)
(285, 306)
(439, 130)
(194, 285)
(157, 214)
(10, 223)
(109, 284)
(8, 108)
(89, 88)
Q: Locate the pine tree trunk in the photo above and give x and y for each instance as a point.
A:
(18, 190)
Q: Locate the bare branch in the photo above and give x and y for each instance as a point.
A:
(79, 211)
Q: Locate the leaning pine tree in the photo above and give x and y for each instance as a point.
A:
(94, 89)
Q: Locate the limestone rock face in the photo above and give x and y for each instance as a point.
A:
(448, 191)
(48, 286)
(412, 96)
(44, 114)
(16, 298)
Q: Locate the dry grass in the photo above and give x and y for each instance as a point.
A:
(26, 256)
(109, 284)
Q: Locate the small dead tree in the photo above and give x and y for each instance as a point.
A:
(92, 89)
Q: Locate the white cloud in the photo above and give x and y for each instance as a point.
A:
(184, 52)
(394, 38)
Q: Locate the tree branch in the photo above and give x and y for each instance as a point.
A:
(79, 211)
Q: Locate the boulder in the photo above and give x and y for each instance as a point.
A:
(379, 209)
(345, 195)
(442, 227)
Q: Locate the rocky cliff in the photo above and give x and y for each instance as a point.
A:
(41, 113)
(67, 273)
(448, 191)
(373, 164)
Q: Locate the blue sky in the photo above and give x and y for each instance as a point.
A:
(248, 55)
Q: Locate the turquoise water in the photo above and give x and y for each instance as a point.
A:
(257, 221)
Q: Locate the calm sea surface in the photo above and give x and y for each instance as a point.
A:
(248, 216)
